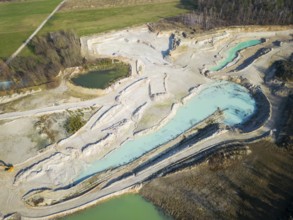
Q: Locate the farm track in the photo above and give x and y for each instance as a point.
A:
(34, 33)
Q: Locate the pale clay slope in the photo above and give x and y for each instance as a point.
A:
(155, 82)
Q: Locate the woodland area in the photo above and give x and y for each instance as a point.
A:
(52, 52)
(284, 69)
(209, 14)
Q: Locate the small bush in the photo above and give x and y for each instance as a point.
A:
(284, 70)
(73, 123)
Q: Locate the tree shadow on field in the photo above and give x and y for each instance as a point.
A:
(187, 4)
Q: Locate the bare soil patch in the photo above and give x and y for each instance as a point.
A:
(230, 186)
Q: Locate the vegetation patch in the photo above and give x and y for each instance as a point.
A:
(210, 14)
(229, 186)
(53, 127)
(73, 123)
(54, 50)
(92, 21)
(18, 20)
(284, 129)
(90, 4)
(223, 159)
(284, 69)
(52, 53)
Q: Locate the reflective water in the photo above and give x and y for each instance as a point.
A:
(100, 79)
(128, 207)
(232, 53)
(232, 98)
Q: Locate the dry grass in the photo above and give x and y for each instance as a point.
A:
(257, 186)
(92, 4)
(96, 20)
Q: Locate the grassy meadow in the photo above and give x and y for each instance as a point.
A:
(91, 21)
(19, 19)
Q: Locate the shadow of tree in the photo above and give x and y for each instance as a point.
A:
(187, 4)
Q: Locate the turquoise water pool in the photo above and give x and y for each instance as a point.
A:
(232, 53)
(126, 207)
(232, 98)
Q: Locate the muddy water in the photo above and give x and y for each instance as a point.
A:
(128, 207)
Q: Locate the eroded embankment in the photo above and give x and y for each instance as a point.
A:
(261, 113)
(202, 131)
(43, 197)
(221, 186)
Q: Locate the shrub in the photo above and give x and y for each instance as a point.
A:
(73, 123)
(284, 70)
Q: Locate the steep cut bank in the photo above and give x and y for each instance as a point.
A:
(230, 185)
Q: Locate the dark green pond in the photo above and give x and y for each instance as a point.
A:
(126, 207)
(100, 79)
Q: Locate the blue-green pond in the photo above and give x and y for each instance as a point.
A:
(235, 101)
(232, 53)
(126, 207)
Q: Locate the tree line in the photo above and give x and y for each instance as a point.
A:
(214, 13)
(50, 54)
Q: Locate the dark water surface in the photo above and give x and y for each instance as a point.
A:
(100, 79)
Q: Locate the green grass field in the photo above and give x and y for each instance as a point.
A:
(92, 21)
(19, 19)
